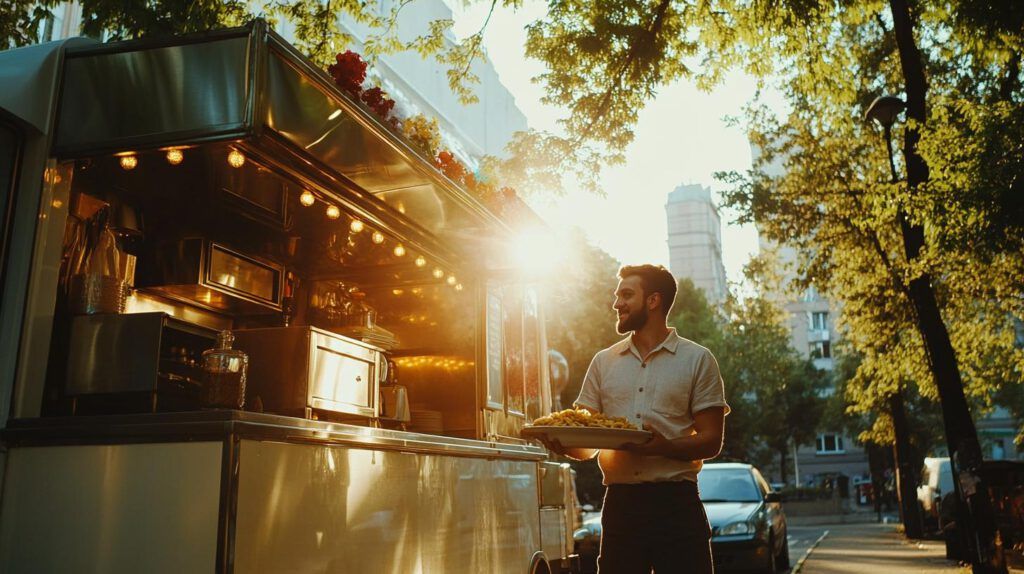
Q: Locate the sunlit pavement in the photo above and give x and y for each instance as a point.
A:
(873, 548)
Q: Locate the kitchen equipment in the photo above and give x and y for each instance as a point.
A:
(213, 276)
(151, 355)
(224, 371)
(394, 404)
(305, 371)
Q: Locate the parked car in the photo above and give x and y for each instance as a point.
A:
(748, 525)
(587, 540)
(936, 483)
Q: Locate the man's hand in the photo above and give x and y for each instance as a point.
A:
(555, 446)
(703, 444)
(657, 445)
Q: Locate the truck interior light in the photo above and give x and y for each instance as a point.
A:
(129, 161)
(175, 156)
(356, 226)
(420, 261)
(333, 212)
(378, 237)
(399, 250)
(438, 273)
(236, 159)
(307, 198)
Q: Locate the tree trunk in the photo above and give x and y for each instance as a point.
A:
(782, 464)
(975, 511)
(906, 475)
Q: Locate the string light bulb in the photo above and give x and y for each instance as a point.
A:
(236, 159)
(333, 212)
(458, 286)
(175, 156)
(129, 161)
(438, 273)
(420, 261)
(399, 250)
(378, 237)
(307, 198)
(451, 280)
(356, 226)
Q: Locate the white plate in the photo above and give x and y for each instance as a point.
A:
(588, 437)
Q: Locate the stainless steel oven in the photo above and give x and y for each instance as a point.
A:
(303, 371)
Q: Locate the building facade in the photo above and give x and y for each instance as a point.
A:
(695, 240)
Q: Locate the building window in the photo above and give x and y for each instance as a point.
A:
(819, 320)
(830, 443)
(821, 350)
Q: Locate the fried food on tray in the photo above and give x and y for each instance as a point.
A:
(583, 418)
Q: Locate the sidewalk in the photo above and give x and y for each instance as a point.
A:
(878, 548)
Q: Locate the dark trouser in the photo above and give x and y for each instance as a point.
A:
(659, 525)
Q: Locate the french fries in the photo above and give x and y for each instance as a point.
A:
(582, 418)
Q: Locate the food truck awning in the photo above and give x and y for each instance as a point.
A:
(248, 85)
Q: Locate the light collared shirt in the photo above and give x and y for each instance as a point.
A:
(677, 379)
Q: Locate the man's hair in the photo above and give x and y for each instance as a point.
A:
(655, 279)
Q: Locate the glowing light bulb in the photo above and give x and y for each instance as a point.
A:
(399, 250)
(421, 261)
(378, 237)
(307, 198)
(451, 280)
(333, 212)
(356, 226)
(438, 273)
(236, 159)
(129, 161)
(458, 286)
(175, 156)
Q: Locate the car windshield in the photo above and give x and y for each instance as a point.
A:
(727, 485)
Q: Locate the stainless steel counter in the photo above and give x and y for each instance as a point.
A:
(214, 424)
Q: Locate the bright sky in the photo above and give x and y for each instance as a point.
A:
(682, 137)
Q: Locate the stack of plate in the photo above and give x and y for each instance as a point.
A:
(425, 421)
(376, 336)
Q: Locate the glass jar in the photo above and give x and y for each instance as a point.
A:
(224, 372)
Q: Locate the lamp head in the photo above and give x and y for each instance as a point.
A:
(884, 110)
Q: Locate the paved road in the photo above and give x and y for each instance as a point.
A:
(801, 539)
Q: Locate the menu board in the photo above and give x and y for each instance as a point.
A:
(495, 396)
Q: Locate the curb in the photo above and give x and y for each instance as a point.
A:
(800, 563)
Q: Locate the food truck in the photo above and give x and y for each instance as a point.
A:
(247, 327)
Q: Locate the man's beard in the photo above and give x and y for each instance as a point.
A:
(632, 322)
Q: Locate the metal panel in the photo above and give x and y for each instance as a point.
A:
(311, 508)
(125, 508)
(122, 99)
(552, 533)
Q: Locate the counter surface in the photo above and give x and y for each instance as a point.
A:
(214, 424)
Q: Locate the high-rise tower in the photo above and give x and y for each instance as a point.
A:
(695, 240)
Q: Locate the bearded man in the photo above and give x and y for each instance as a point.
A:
(653, 518)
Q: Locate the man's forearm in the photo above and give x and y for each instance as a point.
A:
(694, 447)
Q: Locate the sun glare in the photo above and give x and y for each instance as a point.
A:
(538, 252)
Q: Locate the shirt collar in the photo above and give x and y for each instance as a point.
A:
(670, 344)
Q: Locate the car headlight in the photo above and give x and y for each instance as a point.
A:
(742, 527)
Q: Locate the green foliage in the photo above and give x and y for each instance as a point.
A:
(20, 19)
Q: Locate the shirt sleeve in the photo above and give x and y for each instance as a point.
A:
(590, 392)
(709, 388)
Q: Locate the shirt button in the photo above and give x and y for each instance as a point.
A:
(641, 389)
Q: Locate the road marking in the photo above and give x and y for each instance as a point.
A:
(800, 563)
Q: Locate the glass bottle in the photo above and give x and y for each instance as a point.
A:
(224, 371)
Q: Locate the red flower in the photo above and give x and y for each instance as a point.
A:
(450, 166)
(349, 72)
(378, 102)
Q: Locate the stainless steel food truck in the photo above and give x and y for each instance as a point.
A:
(159, 193)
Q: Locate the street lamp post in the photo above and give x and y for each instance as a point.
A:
(885, 110)
(975, 515)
